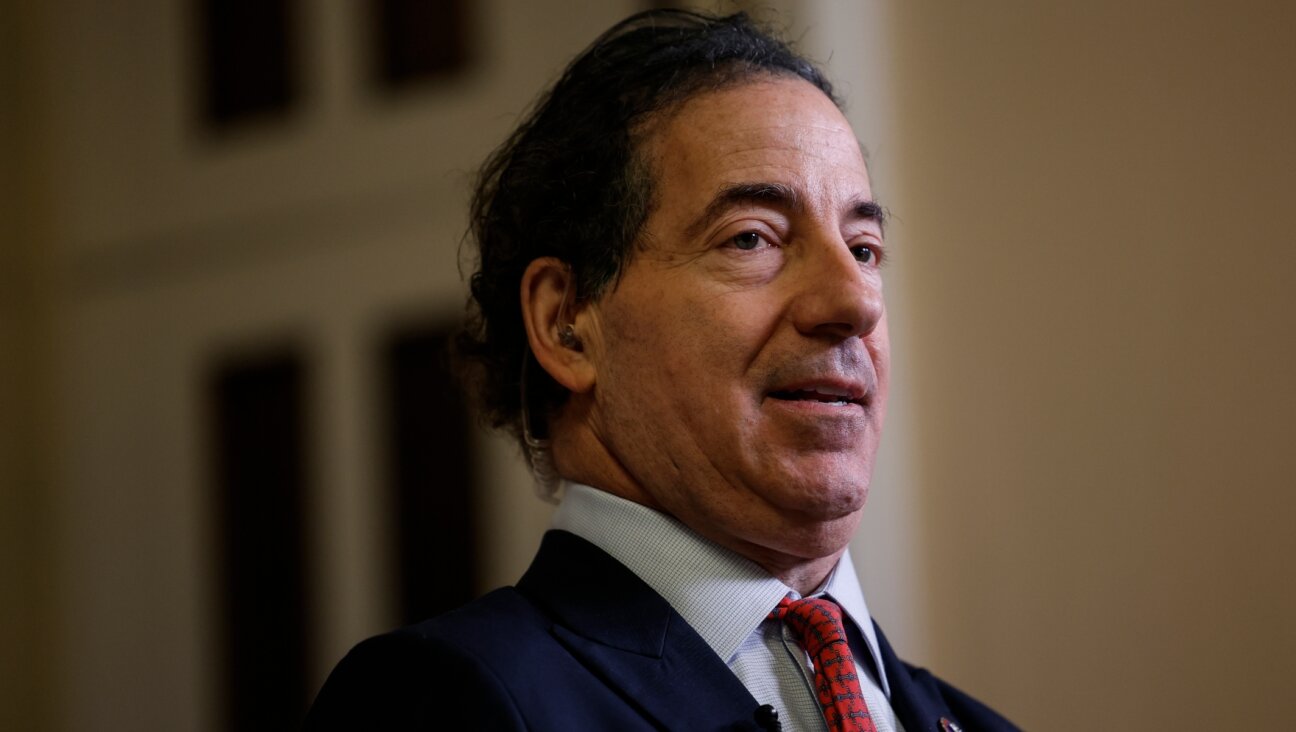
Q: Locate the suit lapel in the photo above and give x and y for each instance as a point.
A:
(631, 638)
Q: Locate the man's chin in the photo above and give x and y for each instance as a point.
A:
(821, 492)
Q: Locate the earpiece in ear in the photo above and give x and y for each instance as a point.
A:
(568, 339)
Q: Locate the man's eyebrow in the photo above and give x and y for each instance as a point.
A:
(774, 195)
(869, 210)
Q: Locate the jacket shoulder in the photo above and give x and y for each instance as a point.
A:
(439, 673)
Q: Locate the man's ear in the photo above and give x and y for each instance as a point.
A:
(549, 309)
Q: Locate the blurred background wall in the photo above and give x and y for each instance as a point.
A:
(1097, 209)
(216, 305)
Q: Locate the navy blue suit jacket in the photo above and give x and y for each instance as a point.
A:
(580, 644)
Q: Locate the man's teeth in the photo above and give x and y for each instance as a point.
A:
(824, 395)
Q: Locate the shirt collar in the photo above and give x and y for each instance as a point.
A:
(721, 595)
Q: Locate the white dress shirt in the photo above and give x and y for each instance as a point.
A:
(727, 599)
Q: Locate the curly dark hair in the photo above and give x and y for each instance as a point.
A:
(570, 182)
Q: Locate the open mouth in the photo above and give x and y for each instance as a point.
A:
(822, 395)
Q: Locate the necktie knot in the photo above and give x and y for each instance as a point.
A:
(817, 623)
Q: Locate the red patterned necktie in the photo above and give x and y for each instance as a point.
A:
(817, 624)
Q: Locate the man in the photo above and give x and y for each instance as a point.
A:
(679, 312)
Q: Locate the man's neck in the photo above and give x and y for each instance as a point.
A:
(803, 575)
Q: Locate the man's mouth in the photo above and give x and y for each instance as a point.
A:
(830, 395)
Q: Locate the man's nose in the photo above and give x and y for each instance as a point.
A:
(837, 296)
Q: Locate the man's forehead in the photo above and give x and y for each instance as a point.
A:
(781, 130)
(796, 131)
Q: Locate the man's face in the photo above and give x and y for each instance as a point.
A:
(741, 362)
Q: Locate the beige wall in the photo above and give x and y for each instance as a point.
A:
(1099, 229)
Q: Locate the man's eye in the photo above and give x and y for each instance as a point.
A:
(747, 241)
(865, 254)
